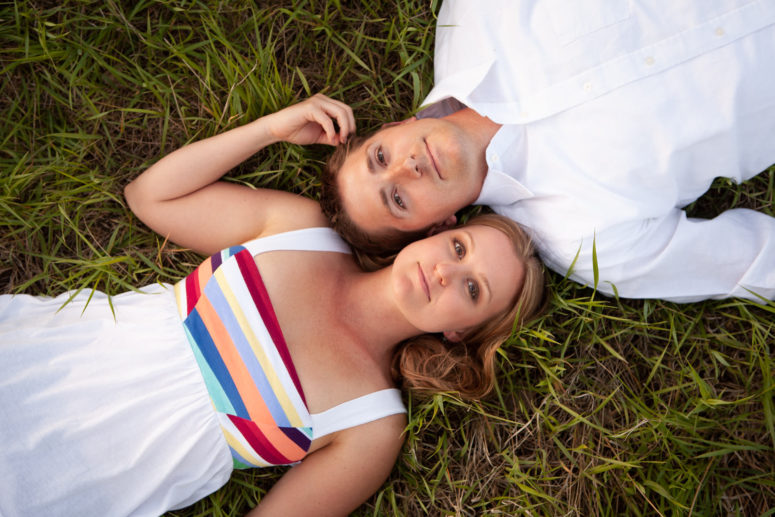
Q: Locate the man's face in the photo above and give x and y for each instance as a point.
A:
(411, 176)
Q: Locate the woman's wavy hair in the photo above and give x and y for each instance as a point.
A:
(380, 246)
(430, 364)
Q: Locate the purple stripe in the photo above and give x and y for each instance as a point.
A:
(299, 438)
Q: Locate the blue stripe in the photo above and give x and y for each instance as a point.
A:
(233, 251)
(214, 389)
(214, 293)
(210, 353)
(239, 461)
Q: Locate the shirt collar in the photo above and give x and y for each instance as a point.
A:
(506, 160)
(506, 157)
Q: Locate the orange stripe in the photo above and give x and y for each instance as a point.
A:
(281, 442)
(247, 389)
(204, 272)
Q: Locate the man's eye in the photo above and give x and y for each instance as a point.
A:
(398, 201)
(380, 156)
(473, 290)
(460, 250)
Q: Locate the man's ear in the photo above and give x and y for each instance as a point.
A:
(443, 226)
(398, 122)
(453, 335)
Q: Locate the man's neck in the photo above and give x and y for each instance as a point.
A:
(480, 129)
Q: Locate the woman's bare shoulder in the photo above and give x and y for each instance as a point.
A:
(297, 212)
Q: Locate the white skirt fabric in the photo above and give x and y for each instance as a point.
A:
(101, 414)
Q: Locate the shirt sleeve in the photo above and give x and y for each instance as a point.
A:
(678, 258)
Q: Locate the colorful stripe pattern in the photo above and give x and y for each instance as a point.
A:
(245, 361)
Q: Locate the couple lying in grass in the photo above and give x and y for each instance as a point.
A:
(279, 349)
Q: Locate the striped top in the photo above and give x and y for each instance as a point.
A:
(245, 362)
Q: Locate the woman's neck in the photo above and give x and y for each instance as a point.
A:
(369, 313)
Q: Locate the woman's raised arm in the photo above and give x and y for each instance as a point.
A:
(181, 198)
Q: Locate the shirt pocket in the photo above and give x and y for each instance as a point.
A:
(574, 19)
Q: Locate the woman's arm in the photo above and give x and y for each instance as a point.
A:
(181, 198)
(339, 477)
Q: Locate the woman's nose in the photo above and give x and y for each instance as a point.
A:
(445, 272)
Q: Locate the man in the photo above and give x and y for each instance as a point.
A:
(591, 125)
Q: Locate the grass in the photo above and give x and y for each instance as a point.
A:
(604, 407)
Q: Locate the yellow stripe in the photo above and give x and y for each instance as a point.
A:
(248, 455)
(276, 383)
(180, 298)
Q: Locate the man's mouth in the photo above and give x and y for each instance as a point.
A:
(423, 282)
(432, 160)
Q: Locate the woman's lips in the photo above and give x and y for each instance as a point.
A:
(423, 282)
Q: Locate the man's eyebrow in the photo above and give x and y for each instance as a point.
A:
(370, 162)
(471, 249)
(382, 195)
(385, 201)
(390, 207)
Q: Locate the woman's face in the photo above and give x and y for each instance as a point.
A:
(457, 279)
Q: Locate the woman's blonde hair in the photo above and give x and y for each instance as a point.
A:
(430, 364)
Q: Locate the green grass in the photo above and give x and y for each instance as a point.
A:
(604, 407)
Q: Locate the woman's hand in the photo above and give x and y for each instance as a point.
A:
(181, 197)
(312, 122)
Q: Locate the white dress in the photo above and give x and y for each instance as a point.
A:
(76, 437)
(105, 412)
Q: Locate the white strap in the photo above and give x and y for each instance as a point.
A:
(358, 411)
(306, 239)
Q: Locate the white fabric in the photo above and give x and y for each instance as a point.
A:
(367, 408)
(306, 239)
(101, 415)
(617, 115)
(103, 411)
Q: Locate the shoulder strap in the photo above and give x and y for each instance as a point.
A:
(306, 239)
(358, 411)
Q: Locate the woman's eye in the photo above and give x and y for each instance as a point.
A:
(380, 156)
(460, 250)
(398, 201)
(473, 290)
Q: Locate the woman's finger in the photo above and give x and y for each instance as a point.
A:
(324, 120)
(340, 112)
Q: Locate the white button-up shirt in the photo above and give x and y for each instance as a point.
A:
(616, 114)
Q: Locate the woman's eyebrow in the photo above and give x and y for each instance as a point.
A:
(482, 277)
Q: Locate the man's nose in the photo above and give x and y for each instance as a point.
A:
(409, 168)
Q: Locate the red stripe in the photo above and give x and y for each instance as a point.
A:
(192, 290)
(258, 441)
(255, 285)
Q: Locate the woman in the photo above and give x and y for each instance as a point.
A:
(115, 408)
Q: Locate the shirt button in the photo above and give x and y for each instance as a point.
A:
(719, 31)
(649, 61)
(587, 86)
